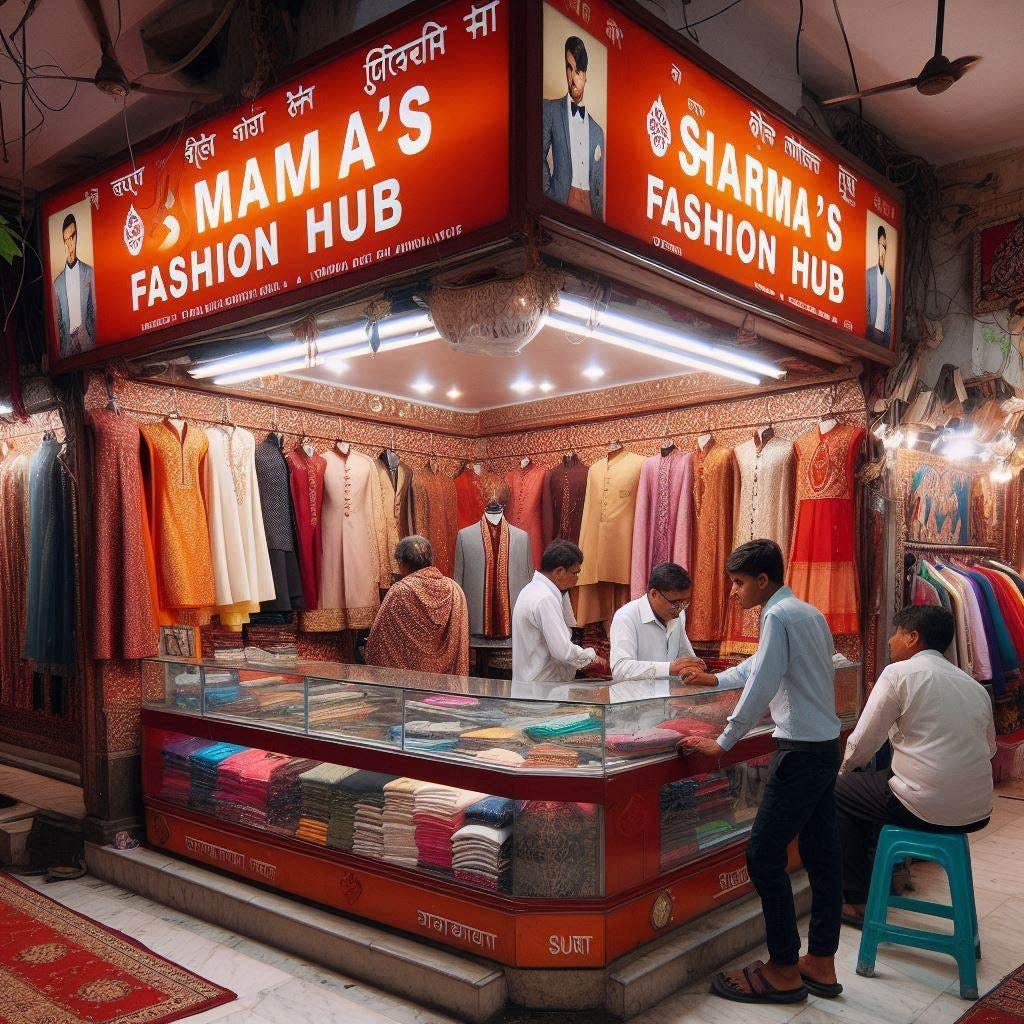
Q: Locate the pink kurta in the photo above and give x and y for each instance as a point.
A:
(664, 509)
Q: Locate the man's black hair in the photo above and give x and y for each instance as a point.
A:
(560, 554)
(669, 576)
(756, 557)
(68, 221)
(578, 49)
(415, 551)
(935, 626)
(881, 232)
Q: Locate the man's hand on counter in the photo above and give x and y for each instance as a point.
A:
(699, 745)
(695, 676)
(683, 666)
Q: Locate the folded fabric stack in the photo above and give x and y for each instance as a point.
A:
(188, 689)
(500, 757)
(493, 736)
(564, 726)
(358, 788)
(433, 730)
(339, 715)
(279, 704)
(551, 755)
(492, 810)
(715, 809)
(175, 782)
(481, 855)
(692, 727)
(556, 849)
(284, 794)
(451, 700)
(641, 744)
(399, 829)
(317, 785)
(679, 820)
(716, 711)
(243, 784)
(203, 765)
(439, 812)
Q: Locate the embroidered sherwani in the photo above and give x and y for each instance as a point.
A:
(306, 479)
(661, 525)
(524, 507)
(395, 490)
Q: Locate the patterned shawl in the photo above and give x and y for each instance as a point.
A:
(423, 624)
(497, 610)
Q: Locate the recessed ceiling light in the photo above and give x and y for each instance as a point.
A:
(593, 372)
(523, 386)
(338, 366)
(453, 393)
(546, 385)
(422, 386)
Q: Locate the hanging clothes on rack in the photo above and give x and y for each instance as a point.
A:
(14, 540)
(562, 500)
(124, 619)
(434, 511)
(279, 527)
(395, 490)
(661, 523)
(524, 506)
(306, 480)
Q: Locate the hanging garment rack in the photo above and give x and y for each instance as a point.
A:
(930, 547)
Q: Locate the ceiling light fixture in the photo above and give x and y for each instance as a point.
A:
(422, 386)
(546, 386)
(648, 330)
(243, 375)
(522, 386)
(592, 372)
(453, 393)
(651, 348)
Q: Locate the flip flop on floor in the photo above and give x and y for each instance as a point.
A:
(758, 988)
(821, 989)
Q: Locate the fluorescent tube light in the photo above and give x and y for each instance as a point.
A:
(260, 371)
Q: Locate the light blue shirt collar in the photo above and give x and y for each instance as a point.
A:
(781, 594)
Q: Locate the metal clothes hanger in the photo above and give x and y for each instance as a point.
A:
(343, 446)
(767, 432)
(827, 421)
(706, 439)
(668, 445)
(108, 383)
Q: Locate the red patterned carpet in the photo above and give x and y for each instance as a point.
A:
(57, 967)
(1003, 1005)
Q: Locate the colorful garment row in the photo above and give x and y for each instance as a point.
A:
(986, 599)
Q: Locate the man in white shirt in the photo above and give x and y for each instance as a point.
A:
(939, 722)
(542, 621)
(648, 635)
(791, 674)
(879, 293)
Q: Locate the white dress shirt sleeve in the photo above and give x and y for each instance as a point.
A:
(762, 676)
(551, 622)
(624, 656)
(880, 714)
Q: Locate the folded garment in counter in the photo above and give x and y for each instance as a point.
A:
(641, 744)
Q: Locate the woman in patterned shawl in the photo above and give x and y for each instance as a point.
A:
(423, 623)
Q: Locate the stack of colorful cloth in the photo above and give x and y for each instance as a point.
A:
(714, 807)
(717, 710)
(242, 786)
(492, 810)
(493, 736)
(284, 794)
(679, 820)
(451, 700)
(203, 765)
(399, 829)
(644, 743)
(358, 788)
(692, 727)
(563, 726)
(317, 785)
(175, 782)
(481, 855)
(551, 755)
(500, 757)
(440, 811)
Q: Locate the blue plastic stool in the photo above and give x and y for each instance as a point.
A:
(954, 854)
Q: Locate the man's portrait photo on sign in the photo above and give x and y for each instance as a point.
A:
(575, 109)
(880, 280)
(73, 283)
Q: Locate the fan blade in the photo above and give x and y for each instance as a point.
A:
(62, 78)
(192, 94)
(907, 83)
(100, 22)
(964, 64)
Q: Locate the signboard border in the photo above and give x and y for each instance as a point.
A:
(614, 241)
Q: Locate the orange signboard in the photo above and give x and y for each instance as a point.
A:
(395, 147)
(655, 146)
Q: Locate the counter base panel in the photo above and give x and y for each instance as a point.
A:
(526, 934)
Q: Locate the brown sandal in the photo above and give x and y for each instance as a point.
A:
(759, 989)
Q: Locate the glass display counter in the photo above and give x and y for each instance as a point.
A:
(519, 822)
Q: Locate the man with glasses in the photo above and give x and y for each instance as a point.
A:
(648, 635)
(542, 621)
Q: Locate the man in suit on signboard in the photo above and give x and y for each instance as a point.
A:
(574, 141)
(879, 289)
(74, 296)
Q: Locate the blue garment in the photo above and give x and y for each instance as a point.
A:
(492, 810)
(50, 608)
(791, 673)
(994, 656)
(1004, 641)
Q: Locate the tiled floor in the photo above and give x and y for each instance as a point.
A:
(276, 988)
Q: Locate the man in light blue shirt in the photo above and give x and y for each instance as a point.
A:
(792, 675)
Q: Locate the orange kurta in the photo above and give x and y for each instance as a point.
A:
(822, 570)
(177, 515)
(714, 485)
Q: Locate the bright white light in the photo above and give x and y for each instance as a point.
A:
(522, 386)
(5, 409)
(260, 371)
(650, 348)
(453, 393)
(592, 372)
(258, 359)
(894, 440)
(648, 330)
(422, 386)
(546, 386)
(1001, 474)
(334, 364)
(912, 438)
(960, 447)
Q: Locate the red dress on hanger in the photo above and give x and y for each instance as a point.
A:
(307, 486)
(822, 567)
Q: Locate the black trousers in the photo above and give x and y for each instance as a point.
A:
(799, 803)
(866, 803)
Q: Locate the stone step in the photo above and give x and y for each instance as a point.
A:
(14, 843)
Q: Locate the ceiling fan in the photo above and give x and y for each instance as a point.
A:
(937, 75)
(111, 79)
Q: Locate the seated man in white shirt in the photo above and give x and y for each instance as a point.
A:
(939, 722)
(648, 635)
(542, 621)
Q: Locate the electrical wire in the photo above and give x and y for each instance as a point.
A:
(799, 30)
(849, 53)
(691, 25)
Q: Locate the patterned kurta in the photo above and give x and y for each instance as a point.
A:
(14, 573)
(664, 507)
(764, 509)
(561, 505)
(307, 486)
(714, 471)
(272, 473)
(395, 491)
(435, 515)
(177, 515)
(822, 568)
(124, 620)
(524, 507)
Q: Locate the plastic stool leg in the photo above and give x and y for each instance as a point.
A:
(876, 912)
(965, 936)
(974, 902)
